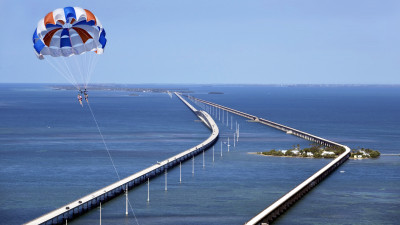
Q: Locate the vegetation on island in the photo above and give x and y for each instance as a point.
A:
(319, 151)
(364, 153)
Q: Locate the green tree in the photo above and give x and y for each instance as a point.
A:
(374, 154)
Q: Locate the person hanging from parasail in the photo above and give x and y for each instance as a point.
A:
(70, 39)
(86, 95)
(80, 99)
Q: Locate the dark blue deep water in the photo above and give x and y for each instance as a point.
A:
(51, 154)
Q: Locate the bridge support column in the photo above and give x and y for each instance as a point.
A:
(126, 194)
(221, 148)
(213, 153)
(180, 172)
(203, 160)
(193, 165)
(100, 213)
(166, 180)
(148, 189)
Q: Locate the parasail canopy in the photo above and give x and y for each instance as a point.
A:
(64, 37)
(69, 31)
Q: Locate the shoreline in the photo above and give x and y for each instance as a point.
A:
(282, 156)
(285, 156)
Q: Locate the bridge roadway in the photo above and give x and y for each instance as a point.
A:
(273, 211)
(92, 200)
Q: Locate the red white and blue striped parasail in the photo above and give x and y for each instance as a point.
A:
(68, 39)
(69, 31)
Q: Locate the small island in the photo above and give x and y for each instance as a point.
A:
(319, 151)
(364, 153)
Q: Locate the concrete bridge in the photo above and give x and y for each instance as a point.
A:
(273, 211)
(93, 200)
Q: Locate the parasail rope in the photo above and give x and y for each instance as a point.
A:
(58, 69)
(79, 69)
(86, 71)
(65, 75)
(88, 58)
(91, 62)
(65, 69)
(109, 155)
(68, 69)
(94, 61)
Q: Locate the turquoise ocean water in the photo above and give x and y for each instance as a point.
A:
(51, 154)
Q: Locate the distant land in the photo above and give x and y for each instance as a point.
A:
(99, 87)
(311, 85)
(230, 84)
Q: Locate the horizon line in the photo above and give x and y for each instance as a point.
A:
(221, 84)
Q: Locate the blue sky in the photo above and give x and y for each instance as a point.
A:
(213, 42)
